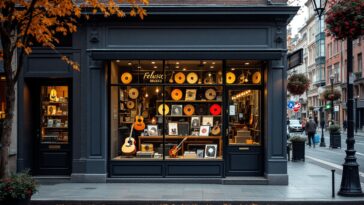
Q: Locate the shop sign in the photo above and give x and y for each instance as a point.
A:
(295, 109)
(336, 108)
(290, 104)
(153, 77)
(295, 59)
(297, 105)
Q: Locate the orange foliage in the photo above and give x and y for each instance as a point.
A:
(26, 22)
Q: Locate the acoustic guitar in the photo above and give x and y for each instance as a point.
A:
(129, 144)
(139, 121)
(216, 130)
(171, 78)
(174, 150)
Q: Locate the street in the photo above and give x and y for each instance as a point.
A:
(334, 158)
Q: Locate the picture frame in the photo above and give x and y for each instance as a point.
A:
(50, 123)
(204, 130)
(195, 122)
(194, 133)
(172, 128)
(200, 153)
(51, 110)
(210, 150)
(183, 128)
(208, 120)
(152, 130)
(190, 94)
(176, 110)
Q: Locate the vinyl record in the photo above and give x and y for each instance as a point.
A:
(201, 109)
(179, 78)
(133, 93)
(188, 110)
(130, 104)
(257, 77)
(210, 94)
(176, 94)
(160, 109)
(230, 77)
(215, 109)
(192, 78)
(126, 78)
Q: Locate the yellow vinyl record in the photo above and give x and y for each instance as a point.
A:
(180, 78)
(176, 94)
(192, 78)
(126, 78)
(166, 109)
(188, 110)
(133, 93)
(230, 77)
(257, 77)
(210, 94)
(130, 104)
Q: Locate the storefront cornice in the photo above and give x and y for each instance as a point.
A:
(190, 54)
(285, 13)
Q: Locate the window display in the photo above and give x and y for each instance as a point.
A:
(54, 115)
(173, 110)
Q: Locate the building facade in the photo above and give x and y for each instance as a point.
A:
(193, 92)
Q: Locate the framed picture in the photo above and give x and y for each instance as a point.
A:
(195, 122)
(50, 123)
(204, 130)
(183, 128)
(51, 110)
(190, 94)
(176, 110)
(194, 133)
(200, 153)
(210, 150)
(152, 130)
(208, 120)
(172, 128)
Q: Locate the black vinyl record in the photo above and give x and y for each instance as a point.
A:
(201, 109)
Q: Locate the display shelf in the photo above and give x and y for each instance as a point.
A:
(55, 115)
(52, 102)
(191, 101)
(188, 116)
(55, 127)
(133, 158)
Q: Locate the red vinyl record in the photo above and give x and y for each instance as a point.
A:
(215, 109)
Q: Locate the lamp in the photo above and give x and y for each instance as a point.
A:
(318, 7)
(332, 76)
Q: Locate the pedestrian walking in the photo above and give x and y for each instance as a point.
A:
(345, 125)
(311, 131)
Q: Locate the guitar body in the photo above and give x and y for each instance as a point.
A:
(173, 152)
(216, 130)
(129, 146)
(139, 123)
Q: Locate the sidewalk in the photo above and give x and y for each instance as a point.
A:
(308, 184)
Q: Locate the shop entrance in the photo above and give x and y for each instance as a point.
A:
(52, 128)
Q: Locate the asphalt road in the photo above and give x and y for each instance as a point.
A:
(329, 156)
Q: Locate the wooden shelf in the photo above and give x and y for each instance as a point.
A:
(55, 127)
(51, 102)
(191, 101)
(188, 116)
(55, 115)
(180, 137)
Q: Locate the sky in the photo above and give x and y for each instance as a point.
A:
(300, 18)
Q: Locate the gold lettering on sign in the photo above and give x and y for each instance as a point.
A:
(54, 147)
(153, 77)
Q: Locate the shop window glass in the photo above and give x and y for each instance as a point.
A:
(54, 115)
(244, 72)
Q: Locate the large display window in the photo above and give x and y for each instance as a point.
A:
(174, 109)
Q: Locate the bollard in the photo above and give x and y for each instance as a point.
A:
(333, 183)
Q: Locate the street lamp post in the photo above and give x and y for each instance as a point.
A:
(332, 100)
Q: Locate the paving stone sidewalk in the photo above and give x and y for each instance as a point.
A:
(307, 182)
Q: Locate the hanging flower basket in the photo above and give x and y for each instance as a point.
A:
(298, 84)
(328, 94)
(345, 19)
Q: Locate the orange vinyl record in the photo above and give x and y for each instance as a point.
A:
(133, 93)
(257, 77)
(189, 110)
(192, 78)
(215, 109)
(179, 78)
(130, 104)
(230, 77)
(176, 94)
(126, 78)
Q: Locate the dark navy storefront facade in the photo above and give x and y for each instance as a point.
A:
(168, 32)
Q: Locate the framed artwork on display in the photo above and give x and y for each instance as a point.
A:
(51, 110)
(176, 110)
(152, 130)
(190, 94)
(183, 128)
(204, 130)
(200, 153)
(195, 122)
(210, 150)
(172, 128)
(208, 120)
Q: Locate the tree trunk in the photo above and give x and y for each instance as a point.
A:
(9, 111)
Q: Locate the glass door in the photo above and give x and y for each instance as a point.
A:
(54, 137)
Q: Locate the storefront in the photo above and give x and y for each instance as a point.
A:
(190, 92)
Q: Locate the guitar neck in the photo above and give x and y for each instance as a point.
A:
(184, 139)
(131, 130)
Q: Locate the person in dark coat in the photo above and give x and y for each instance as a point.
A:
(345, 125)
(311, 131)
